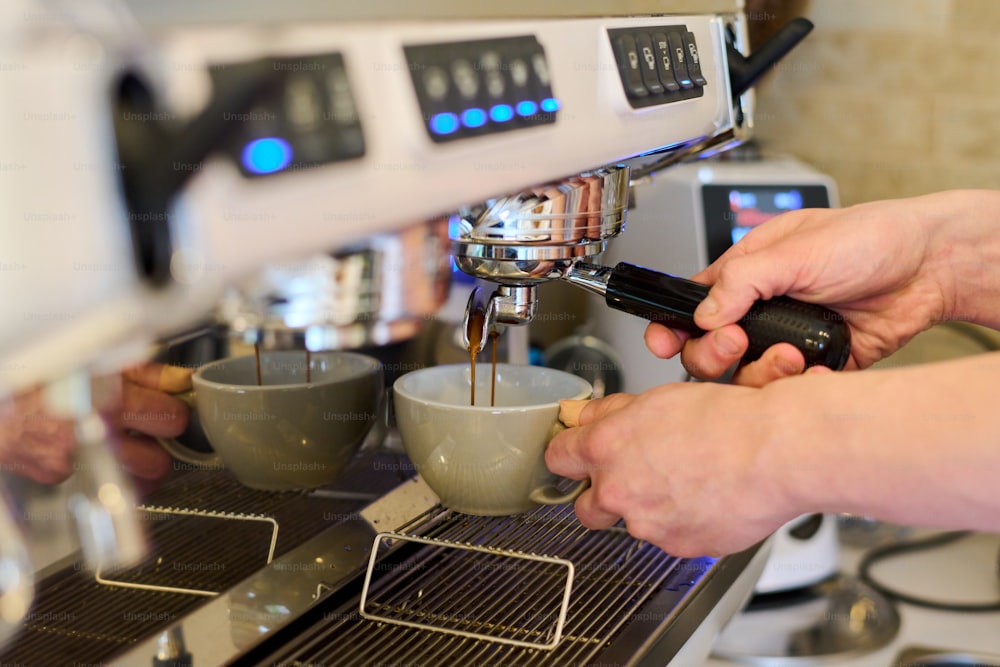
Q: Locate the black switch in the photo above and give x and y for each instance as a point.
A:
(628, 62)
(647, 63)
(693, 60)
(663, 66)
(678, 56)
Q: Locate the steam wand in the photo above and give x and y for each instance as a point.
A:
(103, 504)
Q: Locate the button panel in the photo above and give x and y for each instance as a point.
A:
(658, 64)
(476, 88)
(307, 118)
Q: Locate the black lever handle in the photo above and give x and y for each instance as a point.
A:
(819, 333)
(744, 71)
(157, 158)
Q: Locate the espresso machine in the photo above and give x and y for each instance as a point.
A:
(303, 175)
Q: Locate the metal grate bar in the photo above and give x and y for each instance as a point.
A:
(455, 574)
(616, 575)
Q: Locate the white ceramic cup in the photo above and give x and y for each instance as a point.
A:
(484, 460)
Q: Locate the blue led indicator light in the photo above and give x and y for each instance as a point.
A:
(267, 155)
(550, 105)
(473, 118)
(527, 108)
(501, 113)
(444, 123)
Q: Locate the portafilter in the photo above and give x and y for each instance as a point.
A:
(553, 231)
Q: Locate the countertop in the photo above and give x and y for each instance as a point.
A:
(966, 571)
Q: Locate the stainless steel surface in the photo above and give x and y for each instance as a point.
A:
(838, 618)
(925, 656)
(104, 501)
(185, 11)
(124, 580)
(590, 277)
(225, 627)
(531, 237)
(379, 292)
(444, 594)
(16, 577)
(74, 615)
(536, 236)
(590, 358)
(618, 579)
(170, 645)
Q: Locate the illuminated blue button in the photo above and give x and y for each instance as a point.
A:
(473, 118)
(501, 113)
(267, 155)
(527, 108)
(444, 123)
(550, 105)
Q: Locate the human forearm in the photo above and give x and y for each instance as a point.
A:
(919, 445)
(964, 252)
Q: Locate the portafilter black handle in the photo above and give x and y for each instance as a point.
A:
(819, 333)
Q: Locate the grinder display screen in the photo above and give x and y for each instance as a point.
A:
(733, 210)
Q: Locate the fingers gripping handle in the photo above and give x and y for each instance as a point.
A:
(819, 333)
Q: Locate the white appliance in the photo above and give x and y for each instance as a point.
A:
(685, 217)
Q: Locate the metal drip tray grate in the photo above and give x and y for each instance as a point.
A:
(614, 576)
(463, 590)
(209, 537)
(224, 533)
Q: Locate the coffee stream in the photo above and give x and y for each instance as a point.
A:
(493, 383)
(475, 335)
(256, 355)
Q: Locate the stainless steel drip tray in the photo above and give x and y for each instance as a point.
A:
(207, 533)
(630, 602)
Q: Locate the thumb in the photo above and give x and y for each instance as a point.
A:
(580, 413)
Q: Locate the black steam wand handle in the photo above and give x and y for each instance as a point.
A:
(819, 333)
(745, 71)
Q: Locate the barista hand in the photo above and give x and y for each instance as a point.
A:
(709, 469)
(664, 461)
(36, 445)
(891, 268)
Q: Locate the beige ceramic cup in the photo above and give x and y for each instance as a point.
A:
(285, 434)
(484, 460)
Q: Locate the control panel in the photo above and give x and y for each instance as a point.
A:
(658, 64)
(307, 117)
(472, 88)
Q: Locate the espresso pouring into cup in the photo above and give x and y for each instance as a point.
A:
(482, 459)
(286, 433)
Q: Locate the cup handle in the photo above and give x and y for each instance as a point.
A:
(550, 495)
(184, 453)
